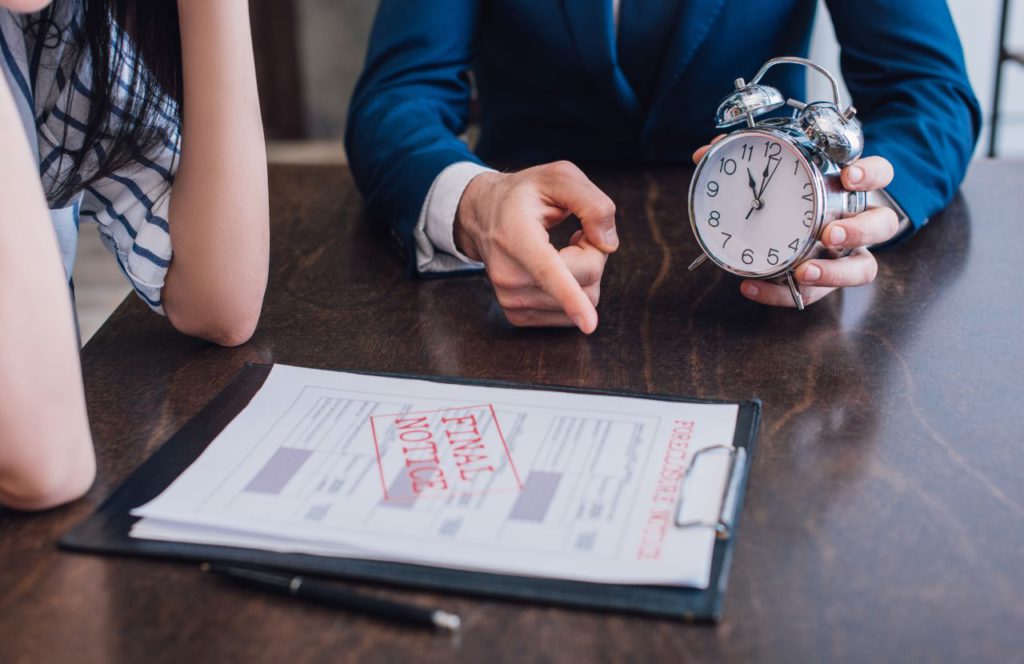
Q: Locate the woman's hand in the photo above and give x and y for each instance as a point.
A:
(820, 276)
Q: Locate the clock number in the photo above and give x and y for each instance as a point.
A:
(728, 236)
(772, 149)
(725, 165)
(712, 188)
(773, 257)
(748, 152)
(747, 256)
(808, 218)
(809, 196)
(796, 166)
(795, 244)
(714, 219)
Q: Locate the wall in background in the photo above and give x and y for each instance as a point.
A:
(977, 21)
(333, 35)
(332, 46)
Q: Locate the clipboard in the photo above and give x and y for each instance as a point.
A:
(106, 530)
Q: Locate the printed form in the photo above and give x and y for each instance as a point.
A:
(509, 481)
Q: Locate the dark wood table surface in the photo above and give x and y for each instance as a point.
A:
(884, 519)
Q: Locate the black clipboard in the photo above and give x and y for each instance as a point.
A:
(106, 531)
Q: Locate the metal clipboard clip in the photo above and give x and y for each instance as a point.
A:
(729, 503)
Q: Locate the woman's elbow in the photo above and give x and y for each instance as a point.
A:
(59, 480)
(228, 326)
(223, 307)
(232, 333)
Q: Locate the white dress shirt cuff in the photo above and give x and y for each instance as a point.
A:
(434, 233)
(882, 198)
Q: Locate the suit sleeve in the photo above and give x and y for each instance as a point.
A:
(904, 66)
(409, 107)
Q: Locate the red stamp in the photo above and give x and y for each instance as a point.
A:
(444, 452)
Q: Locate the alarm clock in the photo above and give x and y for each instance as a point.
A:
(761, 197)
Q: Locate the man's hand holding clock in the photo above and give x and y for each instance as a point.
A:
(807, 225)
(820, 276)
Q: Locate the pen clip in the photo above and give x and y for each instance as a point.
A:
(729, 504)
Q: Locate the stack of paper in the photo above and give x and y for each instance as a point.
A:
(510, 481)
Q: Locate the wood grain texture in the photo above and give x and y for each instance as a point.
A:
(884, 519)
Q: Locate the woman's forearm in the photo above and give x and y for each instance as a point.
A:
(219, 218)
(46, 455)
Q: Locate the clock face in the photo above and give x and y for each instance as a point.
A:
(754, 204)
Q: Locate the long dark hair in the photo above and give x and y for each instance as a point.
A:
(133, 48)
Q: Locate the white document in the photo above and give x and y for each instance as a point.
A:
(510, 481)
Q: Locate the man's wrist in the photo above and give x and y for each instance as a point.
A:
(467, 217)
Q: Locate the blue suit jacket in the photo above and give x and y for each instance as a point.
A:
(550, 88)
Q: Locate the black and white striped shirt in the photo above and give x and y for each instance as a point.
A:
(128, 207)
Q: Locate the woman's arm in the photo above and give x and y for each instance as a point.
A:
(219, 218)
(46, 455)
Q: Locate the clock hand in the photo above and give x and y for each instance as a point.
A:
(768, 177)
(756, 205)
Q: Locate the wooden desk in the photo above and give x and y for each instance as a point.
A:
(885, 513)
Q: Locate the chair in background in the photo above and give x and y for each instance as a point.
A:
(1005, 56)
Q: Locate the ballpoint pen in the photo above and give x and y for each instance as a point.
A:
(318, 591)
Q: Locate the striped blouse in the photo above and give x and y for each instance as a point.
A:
(129, 207)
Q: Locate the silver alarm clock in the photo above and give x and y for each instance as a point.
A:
(761, 196)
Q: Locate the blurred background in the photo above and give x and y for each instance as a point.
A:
(309, 54)
(329, 40)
